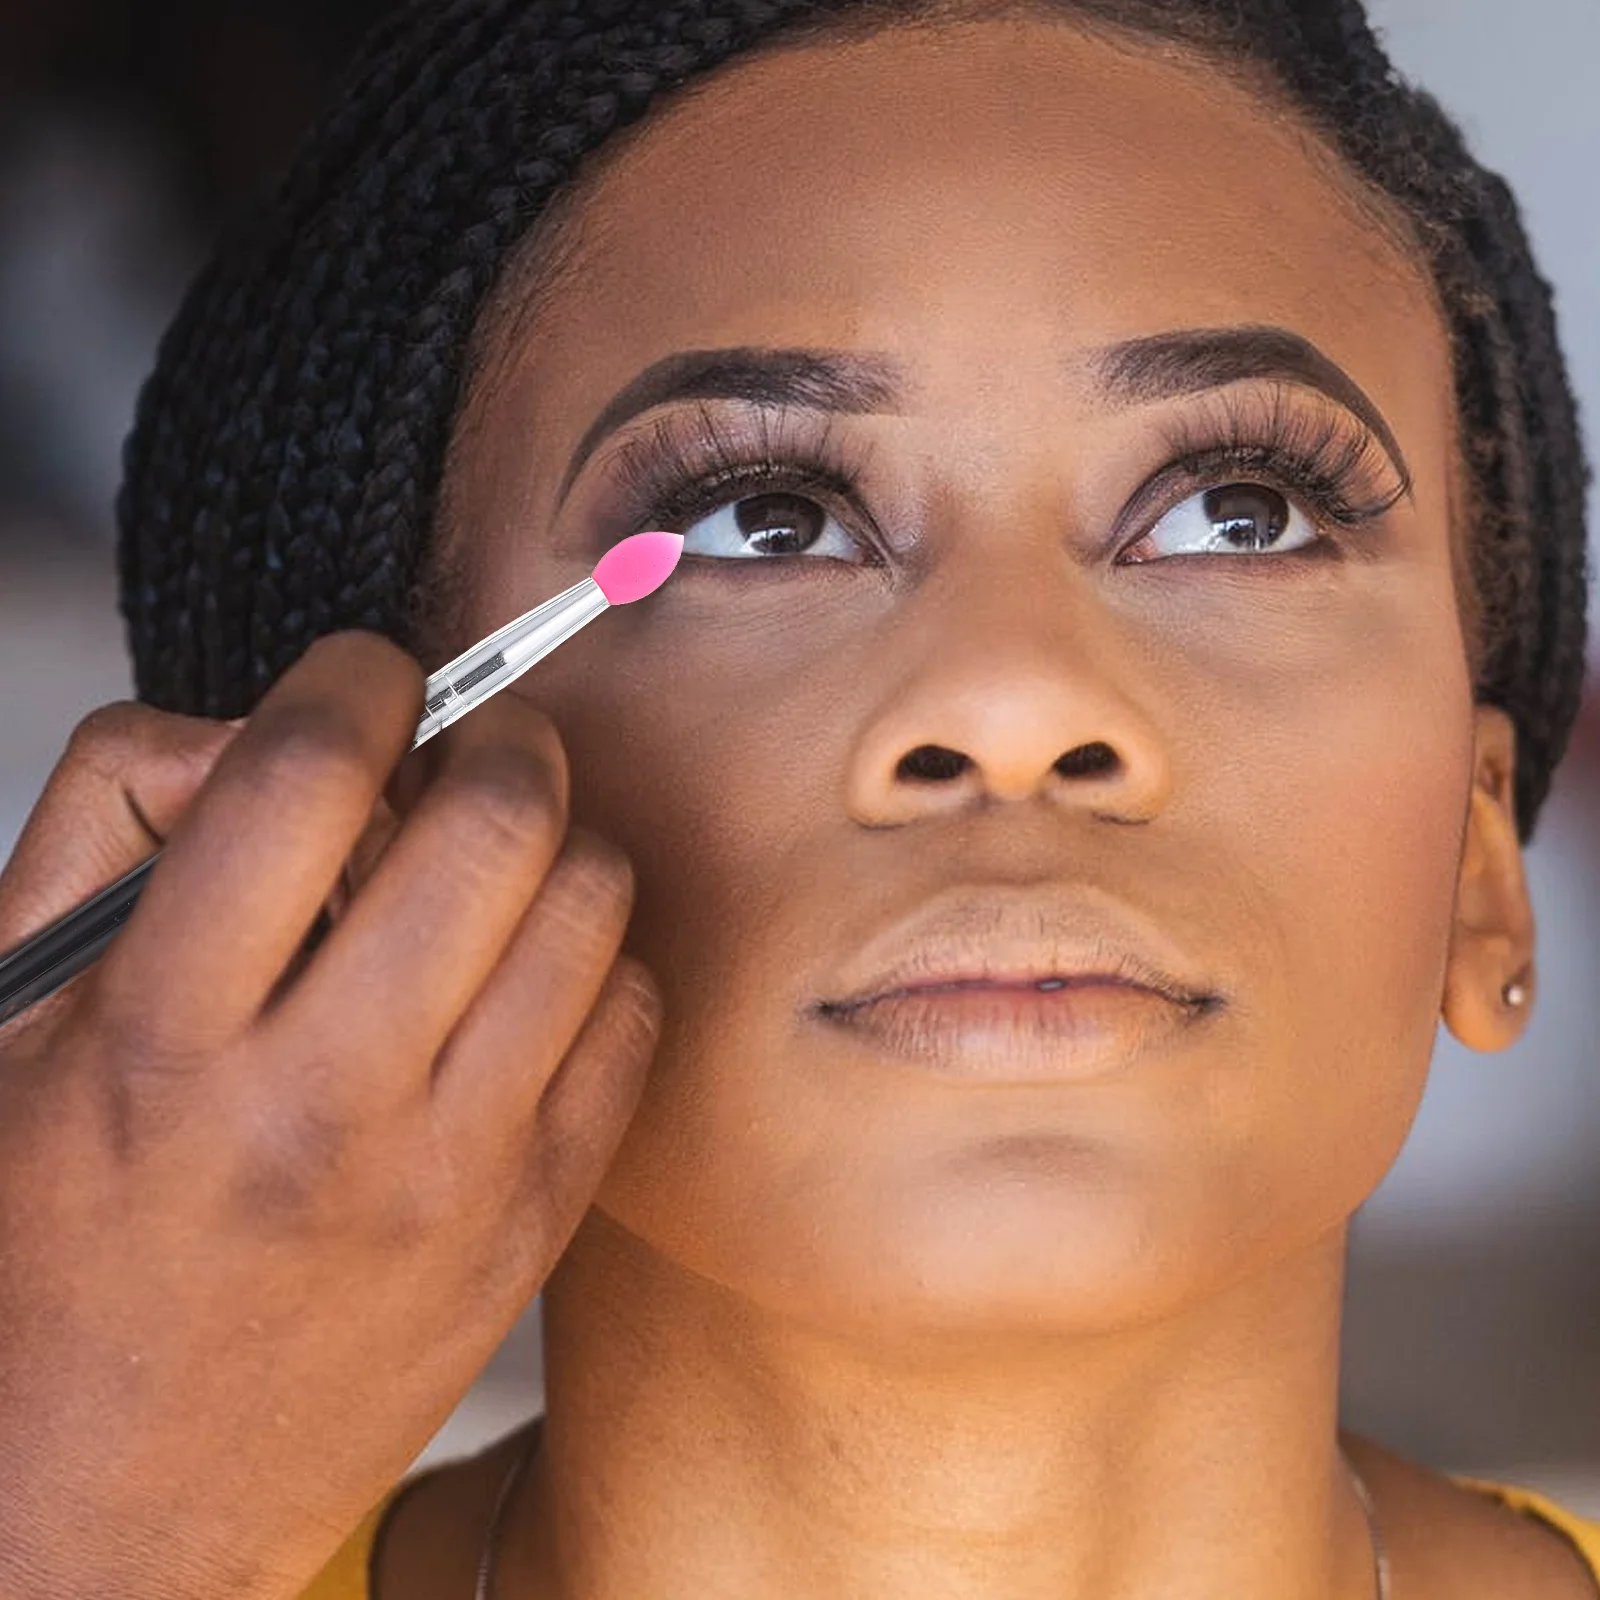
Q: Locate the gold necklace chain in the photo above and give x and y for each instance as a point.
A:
(1380, 1553)
(508, 1486)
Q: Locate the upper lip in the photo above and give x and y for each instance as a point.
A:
(1017, 937)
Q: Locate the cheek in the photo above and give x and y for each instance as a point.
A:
(704, 737)
(708, 748)
(726, 792)
(1370, 763)
(1343, 814)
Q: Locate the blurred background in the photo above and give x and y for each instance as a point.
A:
(130, 128)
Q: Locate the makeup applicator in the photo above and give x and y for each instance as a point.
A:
(628, 571)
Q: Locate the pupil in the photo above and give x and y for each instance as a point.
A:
(779, 524)
(1247, 514)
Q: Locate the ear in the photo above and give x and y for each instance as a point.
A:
(1492, 939)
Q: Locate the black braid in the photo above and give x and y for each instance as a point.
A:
(282, 480)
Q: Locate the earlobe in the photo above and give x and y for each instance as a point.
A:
(1489, 980)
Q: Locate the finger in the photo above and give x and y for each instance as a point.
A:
(124, 779)
(493, 1073)
(253, 859)
(365, 855)
(418, 941)
(410, 780)
(586, 1111)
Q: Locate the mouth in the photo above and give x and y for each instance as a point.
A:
(1020, 987)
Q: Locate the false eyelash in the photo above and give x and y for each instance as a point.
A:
(676, 474)
(1339, 470)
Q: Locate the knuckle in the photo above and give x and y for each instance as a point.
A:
(147, 1081)
(530, 1237)
(311, 745)
(110, 734)
(287, 1168)
(596, 870)
(319, 1168)
(298, 1146)
(363, 652)
(133, 1036)
(636, 1001)
(537, 728)
(514, 722)
(390, 680)
(510, 796)
(589, 896)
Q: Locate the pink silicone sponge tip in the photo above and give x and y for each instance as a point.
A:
(638, 566)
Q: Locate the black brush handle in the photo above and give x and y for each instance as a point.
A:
(41, 965)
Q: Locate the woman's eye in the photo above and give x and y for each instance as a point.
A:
(771, 524)
(1237, 518)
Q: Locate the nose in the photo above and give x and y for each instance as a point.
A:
(1018, 689)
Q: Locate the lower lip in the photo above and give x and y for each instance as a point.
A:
(1019, 1032)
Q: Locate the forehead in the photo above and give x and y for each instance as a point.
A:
(983, 198)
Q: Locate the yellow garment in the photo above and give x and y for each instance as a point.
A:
(1583, 1534)
(345, 1577)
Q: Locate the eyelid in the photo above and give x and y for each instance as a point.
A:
(674, 471)
(1283, 419)
(1317, 454)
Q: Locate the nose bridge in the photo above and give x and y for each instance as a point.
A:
(1023, 586)
(1018, 682)
(1014, 600)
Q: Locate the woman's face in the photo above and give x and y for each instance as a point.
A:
(1010, 688)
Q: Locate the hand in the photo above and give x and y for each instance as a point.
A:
(267, 1210)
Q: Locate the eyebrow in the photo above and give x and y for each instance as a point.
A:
(819, 380)
(1136, 372)
(1166, 365)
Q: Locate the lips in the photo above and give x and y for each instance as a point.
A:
(1019, 986)
(1018, 939)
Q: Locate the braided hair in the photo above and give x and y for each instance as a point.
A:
(283, 477)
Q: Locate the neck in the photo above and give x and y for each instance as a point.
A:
(696, 1446)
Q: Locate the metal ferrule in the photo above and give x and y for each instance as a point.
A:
(494, 662)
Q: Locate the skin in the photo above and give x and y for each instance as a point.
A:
(201, 1140)
(840, 1323)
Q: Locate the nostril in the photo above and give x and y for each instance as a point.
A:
(933, 762)
(1086, 760)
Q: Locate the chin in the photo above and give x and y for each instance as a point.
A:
(892, 1206)
(1016, 1255)
(1046, 1244)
